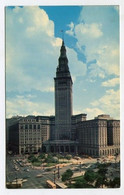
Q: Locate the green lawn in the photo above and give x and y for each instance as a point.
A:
(37, 164)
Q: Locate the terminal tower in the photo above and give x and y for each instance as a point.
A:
(64, 132)
(63, 97)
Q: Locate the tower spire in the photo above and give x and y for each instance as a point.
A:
(62, 31)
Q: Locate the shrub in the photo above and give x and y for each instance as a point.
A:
(31, 157)
(115, 183)
(90, 176)
(68, 157)
(82, 184)
(41, 156)
(49, 159)
(67, 175)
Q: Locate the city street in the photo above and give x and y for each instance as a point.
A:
(34, 178)
(33, 181)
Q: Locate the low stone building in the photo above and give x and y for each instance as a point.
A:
(100, 136)
(28, 134)
(97, 137)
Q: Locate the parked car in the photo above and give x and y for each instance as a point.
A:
(27, 170)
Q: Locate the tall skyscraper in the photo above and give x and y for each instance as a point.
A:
(63, 98)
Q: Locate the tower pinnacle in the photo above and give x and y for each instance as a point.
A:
(63, 43)
(63, 61)
(62, 31)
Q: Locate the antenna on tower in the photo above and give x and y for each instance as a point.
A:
(62, 31)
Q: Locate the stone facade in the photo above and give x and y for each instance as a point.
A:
(99, 137)
(28, 134)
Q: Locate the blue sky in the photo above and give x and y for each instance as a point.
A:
(33, 41)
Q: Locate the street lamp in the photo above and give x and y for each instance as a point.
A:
(58, 173)
(43, 166)
(16, 179)
(54, 177)
(80, 166)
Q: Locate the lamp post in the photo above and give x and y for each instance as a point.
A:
(58, 173)
(54, 177)
(43, 166)
(80, 166)
(16, 179)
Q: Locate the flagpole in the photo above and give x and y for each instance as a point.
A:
(62, 31)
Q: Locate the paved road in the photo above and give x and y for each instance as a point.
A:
(34, 182)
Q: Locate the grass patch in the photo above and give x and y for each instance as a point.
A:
(50, 164)
(48, 169)
(37, 164)
(77, 178)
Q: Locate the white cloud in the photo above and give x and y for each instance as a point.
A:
(23, 106)
(40, 21)
(109, 103)
(32, 53)
(76, 69)
(111, 83)
(84, 90)
(31, 58)
(88, 30)
(93, 112)
(108, 58)
(96, 71)
(97, 33)
(71, 30)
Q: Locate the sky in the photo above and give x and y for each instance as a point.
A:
(33, 41)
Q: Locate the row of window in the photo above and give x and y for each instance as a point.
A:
(32, 131)
(32, 126)
(31, 142)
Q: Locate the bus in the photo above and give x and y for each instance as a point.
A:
(61, 185)
(14, 184)
(50, 184)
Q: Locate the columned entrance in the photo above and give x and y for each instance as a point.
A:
(61, 146)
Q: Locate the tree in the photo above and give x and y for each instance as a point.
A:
(31, 157)
(100, 181)
(101, 178)
(49, 159)
(82, 183)
(90, 176)
(102, 171)
(41, 156)
(55, 159)
(68, 157)
(67, 175)
(115, 183)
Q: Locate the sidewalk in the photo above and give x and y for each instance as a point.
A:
(78, 174)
